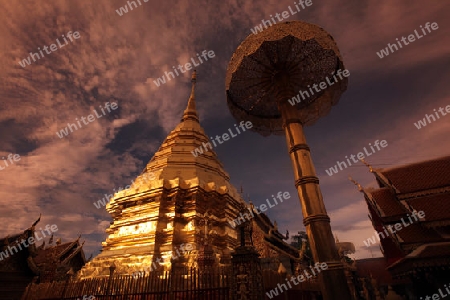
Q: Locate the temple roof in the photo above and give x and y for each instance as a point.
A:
(425, 175)
(437, 207)
(386, 202)
(274, 238)
(59, 252)
(421, 187)
(49, 262)
(426, 256)
(390, 208)
(176, 163)
(416, 233)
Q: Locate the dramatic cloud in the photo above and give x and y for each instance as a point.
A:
(117, 58)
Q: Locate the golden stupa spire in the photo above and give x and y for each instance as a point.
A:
(190, 112)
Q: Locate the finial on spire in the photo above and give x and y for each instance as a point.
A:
(194, 76)
(360, 188)
(190, 112)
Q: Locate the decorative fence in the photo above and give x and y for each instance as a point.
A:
(184, 284)
(206, 284)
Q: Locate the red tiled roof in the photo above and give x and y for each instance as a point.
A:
(416, 233)
(426, 256)
(434, 250)
(420, 176)
(388, 203)
(435, 207)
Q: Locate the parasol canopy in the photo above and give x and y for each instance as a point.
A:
(274, 65)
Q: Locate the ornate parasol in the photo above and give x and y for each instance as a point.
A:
(266, 71)
(275, 65)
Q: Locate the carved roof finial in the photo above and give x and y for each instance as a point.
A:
(360, 188)
(37, 221)
(370, 167)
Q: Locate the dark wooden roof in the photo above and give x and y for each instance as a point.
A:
(388, 203)
(49, 263)
(419, 176)
(423, 186)
(428, 256)
(273, 237)
(436, 207)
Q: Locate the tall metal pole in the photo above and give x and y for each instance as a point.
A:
(317, 222)
(266, 71)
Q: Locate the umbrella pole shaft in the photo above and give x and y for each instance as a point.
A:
(333, 280)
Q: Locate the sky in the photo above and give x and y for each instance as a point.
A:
(116, 58)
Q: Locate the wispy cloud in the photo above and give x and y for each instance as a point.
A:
(118, 58)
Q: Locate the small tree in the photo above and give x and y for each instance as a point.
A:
(300, 241)
(297, 240)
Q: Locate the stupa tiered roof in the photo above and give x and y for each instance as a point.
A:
(178, 199)
(175, 165)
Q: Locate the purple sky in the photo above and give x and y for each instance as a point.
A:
(117, 58)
